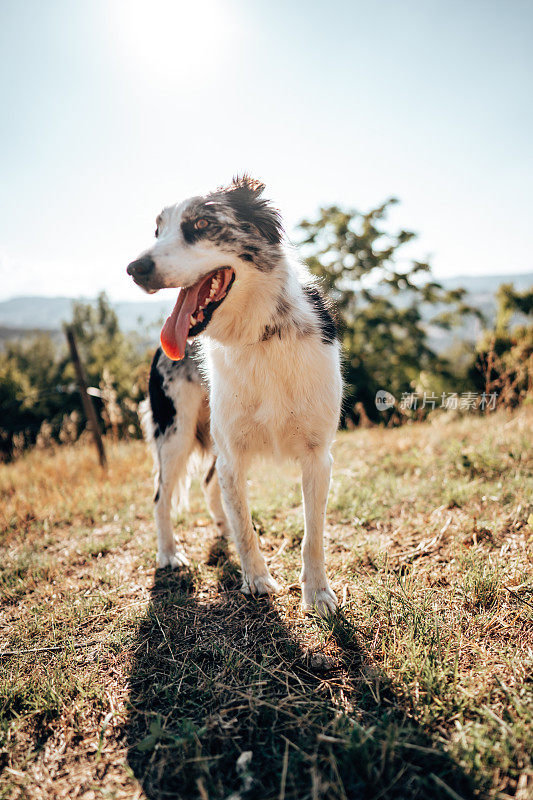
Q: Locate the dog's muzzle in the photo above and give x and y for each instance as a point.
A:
(141, 269)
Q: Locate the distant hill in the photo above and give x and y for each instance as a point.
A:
(48, 313)
(21, 315)
(482, 289)
(488, 284)
(11, 334)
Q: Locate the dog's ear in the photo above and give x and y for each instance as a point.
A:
(244, 196)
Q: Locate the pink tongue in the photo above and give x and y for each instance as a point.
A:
(176, 328)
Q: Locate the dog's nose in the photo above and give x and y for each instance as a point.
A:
(141, 267)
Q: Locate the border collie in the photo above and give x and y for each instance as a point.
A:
(264, 378)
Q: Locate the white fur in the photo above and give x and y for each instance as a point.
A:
(279, 397)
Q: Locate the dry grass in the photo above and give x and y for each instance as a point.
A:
(117, 681)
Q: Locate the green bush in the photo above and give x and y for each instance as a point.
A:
(38, 395)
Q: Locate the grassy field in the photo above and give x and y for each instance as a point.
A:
(120, 681)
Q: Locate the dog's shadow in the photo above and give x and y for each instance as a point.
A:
(227, 702)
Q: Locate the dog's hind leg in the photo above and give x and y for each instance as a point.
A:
(316, 591)
(173, 451)
(218, 550)
(213, 499)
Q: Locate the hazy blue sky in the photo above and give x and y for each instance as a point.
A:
(112, 108)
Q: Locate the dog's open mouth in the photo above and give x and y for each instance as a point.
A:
(193, 310)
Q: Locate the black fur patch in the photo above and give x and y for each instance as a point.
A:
(240, 222)
(224, 236)
(328, 328)
(162, 406)
(192, 235)
(189, 233)
(193, 213)
(270, 331)
(244, 196)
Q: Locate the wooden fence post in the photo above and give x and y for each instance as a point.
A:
(88, 406)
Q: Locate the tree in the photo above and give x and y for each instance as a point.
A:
(112, 362)
(504, 359)
(384, 305)
(38, 382)
(101, 342)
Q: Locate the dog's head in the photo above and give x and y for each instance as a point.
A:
(203, 246)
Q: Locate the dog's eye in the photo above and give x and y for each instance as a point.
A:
(201, 223)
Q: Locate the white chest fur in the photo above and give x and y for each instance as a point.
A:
(280, 397)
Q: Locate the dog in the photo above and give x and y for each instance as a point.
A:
(264, 377)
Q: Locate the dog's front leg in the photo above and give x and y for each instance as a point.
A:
(232, 478)
(316, 591)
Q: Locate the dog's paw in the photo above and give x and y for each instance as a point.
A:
(319, 598)
(176, 560)
(260, 584)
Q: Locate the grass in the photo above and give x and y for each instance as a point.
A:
(120, 681)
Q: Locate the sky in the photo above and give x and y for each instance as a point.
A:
(112, 109)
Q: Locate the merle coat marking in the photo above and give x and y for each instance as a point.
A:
(264, 377)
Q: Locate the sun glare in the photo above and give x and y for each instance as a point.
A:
(176, 40)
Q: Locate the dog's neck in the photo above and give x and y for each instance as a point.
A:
(263, 306)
